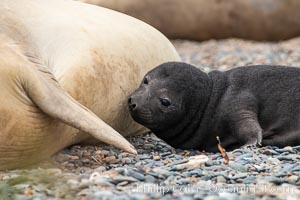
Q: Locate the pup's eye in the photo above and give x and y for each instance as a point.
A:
(165, 102)
(145, 81)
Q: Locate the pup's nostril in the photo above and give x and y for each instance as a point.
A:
(131, 104)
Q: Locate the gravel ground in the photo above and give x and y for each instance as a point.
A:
(226, 54)
(161, 172)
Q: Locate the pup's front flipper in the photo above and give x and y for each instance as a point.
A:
(239, 110)
(247, 129)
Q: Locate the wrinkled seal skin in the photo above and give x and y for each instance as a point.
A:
(217, 19)
(244, 106)
(66, 71)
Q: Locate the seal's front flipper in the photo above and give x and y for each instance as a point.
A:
(41, 86)
(247, 128)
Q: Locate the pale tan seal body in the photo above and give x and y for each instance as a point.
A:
(207, 19)
(50, 50)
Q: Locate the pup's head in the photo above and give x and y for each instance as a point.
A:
(168, 97)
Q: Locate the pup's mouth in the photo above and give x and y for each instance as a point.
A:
(142, 116)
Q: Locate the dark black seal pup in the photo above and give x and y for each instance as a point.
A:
(247, 105)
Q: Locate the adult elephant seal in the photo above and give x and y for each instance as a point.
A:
(247, 105)
(207, 19)
(53, 52)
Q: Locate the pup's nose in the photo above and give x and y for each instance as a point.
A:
(132, 104)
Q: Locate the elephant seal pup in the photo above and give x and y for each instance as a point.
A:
(214, 19)
(247, 105)
(66, 71)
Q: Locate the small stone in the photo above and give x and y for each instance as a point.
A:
(156, 175)
(297, 148)
(247, 197)
(178, 168)
(123, 183)
(249, 180)
(79, 154)
(121, 197)
(104, 152)
(104, 195)
(287, 167)
(213, 197)
(179, 161)
(111, 160)
(160, 171)
(273, 179)
(149, 179)
(98, 179)
(296, 168)
(135, 174)
(158, 164)
(199, 196)
(144, 157)
(186, 197)
(126, 160)
(209, 164)
(72, 182)
(86, 154)
(195, 161)
(54, 171)
(237, 167)
(37, 198)
(240, 176)
(221, 179)
(206, 178)
(229, 196)
(83, 185)
(178, 151)
(149, 146)
(167, 161)
(196, 172)
(100, 169)
(245, 156)
(216, 162)
(289, 149)
(286, 157)
(85, 161)
(138, 176)
(293, 179)
(243, 162)
(119, 179)
(139, 196)
(156, 158)
(183, 182)
(193, 153)
(280, 174)
(274, 161)
(165, 154)
(74, 157)
(70, 165)
(167, 197)
(178, 157)
(156, 195)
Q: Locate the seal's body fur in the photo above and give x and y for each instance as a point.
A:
(66, 70)
(214, 19)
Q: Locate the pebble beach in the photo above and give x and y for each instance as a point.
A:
(162, 172)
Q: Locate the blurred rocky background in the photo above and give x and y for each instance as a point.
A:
(269, 20)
